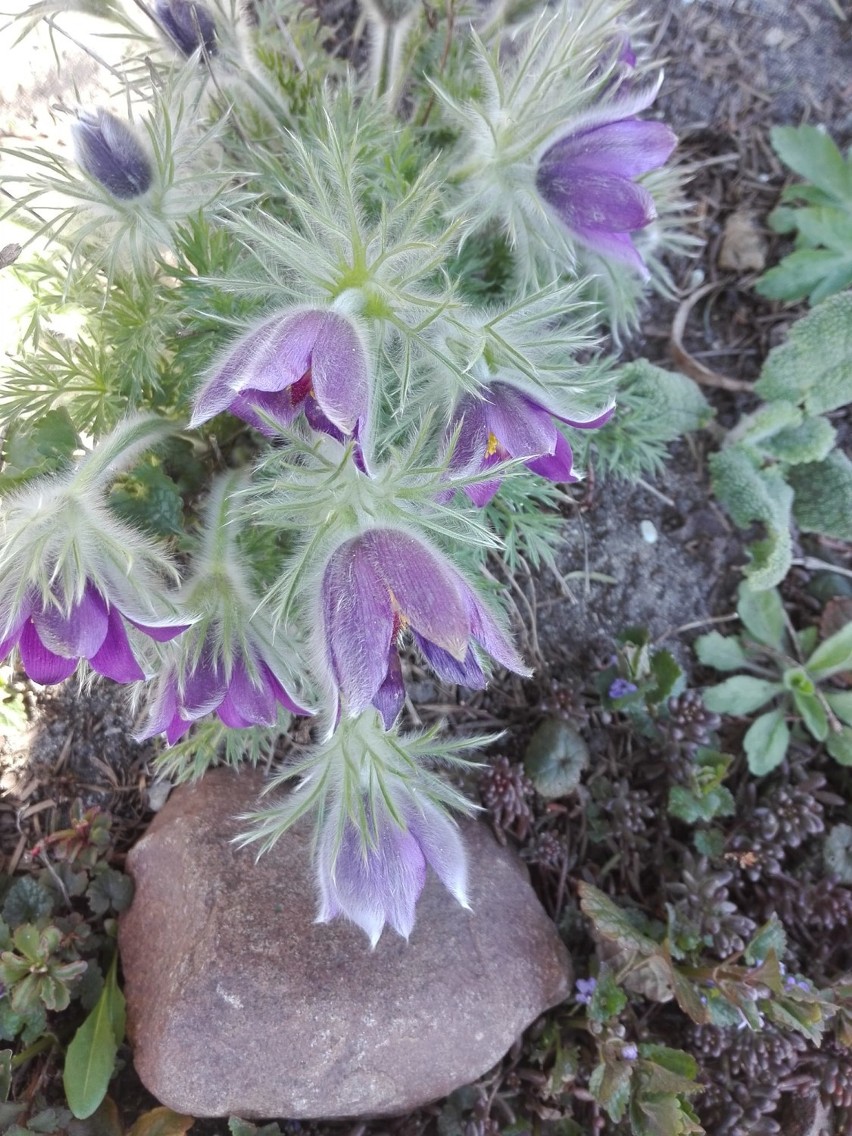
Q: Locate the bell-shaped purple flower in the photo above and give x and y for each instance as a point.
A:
(109, 151)
(53, 637)
(502, 423)
(244, 694)
(377, 878)
(383, 582)
(307, 361)
(587, 178)
(189, 25)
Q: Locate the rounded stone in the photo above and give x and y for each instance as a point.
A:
(240, 1003)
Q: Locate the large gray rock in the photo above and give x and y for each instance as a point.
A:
(239, 1003)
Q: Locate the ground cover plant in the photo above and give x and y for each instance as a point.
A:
(285, 264)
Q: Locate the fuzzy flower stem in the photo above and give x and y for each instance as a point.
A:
(218, 536)
(118, 449)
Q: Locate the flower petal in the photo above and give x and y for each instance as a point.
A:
(481, 492)
(204, 687)
(161, 709)
(441, 843)
(245, 703)
(281, 694)
(81, 632)
(340, 371)
(159, 632)
(591, 204)
(557, 466)
(521, 424)
(390, 696)
(257, 407)
(231, 372)
(488, 633)
(466, 673)
(625, 149)
(42, 665)
(424, 588)
(359, 624)
(287, 359)
(115, 658)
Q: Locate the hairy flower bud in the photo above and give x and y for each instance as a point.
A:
(189, 25)
(110, 153)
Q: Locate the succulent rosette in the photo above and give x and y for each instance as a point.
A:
(383, 582)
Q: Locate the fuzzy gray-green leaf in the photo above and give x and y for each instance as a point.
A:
(766, 742)
(823, 501)
(722, 652)
(740, 694)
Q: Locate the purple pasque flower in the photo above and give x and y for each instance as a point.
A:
(110, 153)
(308, 361)
(245, 693)
(587, 177)
(188, 24)
(502, 423)
(377, 877)
(383, 582)
(52, 636)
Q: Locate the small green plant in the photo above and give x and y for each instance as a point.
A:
(818, 211)
(786, 670)
(780, 465)
(640, 680)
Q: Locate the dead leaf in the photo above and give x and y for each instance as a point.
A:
(743, 244)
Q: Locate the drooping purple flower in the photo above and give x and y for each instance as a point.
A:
(385, 581)
(53, 637)
(587, 178)
(307, 361)
(109, 151)
(377, 878)
(244, 694)
(504, 423)
(188, 24)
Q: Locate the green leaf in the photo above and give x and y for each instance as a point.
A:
(740, 694)
(722, 652)
(771, 936)
(691, 807)
(762, 614)
(608, 999)
(5, 1073)
(766, 741)
(164, 1122)
(839, 745)
(669, 677)
(90, 1059)
(611, 922)
(814, 366)
(150, 499)
(609, 1084)
(109, 890)
(811, 441)
(840, 702)
(752, 491)
(813, 714)
(832, 655)
(33, 448)
(555, 758)
(816, 273)
(823, 496)
(26, 902)
(814, 156)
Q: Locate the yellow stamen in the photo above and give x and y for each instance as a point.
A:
(491, 447)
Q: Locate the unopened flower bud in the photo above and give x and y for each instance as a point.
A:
(189, 25)
(110, 152)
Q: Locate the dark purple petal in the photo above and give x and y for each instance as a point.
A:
(81, 632)
(14, 631)
(466, 673)
(115, 659)
(288, 358)
(245, 703)
(281, 694)
(523, 426)
(160, 633)
(42, 665)
(163, 716)
(618, 247)
(622, 149)
(425, 590)
(204, 688)
(257, 407)
(359, 624)
(481, 492)
(390, 697)
(591, 204)
(110, 153)
(489, 635)
(557, 466)
(588, 423)
(176, 728)
(189, 25)
(472, 441)
(340, 372)
(231, 373)
(318, 421)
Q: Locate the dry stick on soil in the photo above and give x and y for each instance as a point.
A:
(685, 361)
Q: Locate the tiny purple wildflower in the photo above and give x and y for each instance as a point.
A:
(110, 153)
(629, 1052)
(189, 25)
(379, 584)
(505, 423)
(53, 637)
(620, 688)
(377, 878)
(586, 177)
(585, 988)
(306, 361)
(242, 695)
